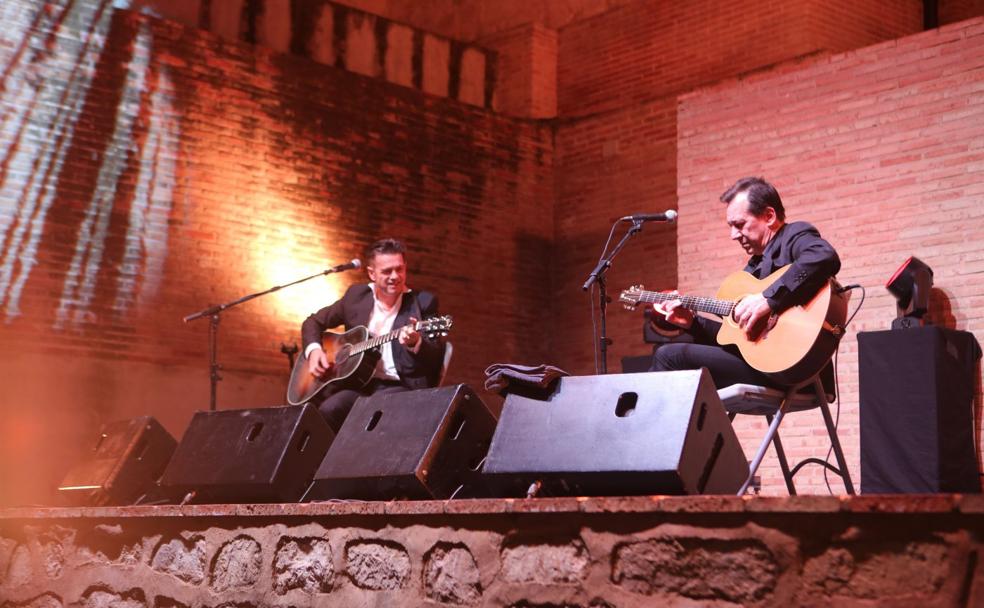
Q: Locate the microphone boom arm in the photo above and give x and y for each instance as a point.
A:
(212, 312)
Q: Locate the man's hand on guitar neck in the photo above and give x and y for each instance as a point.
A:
(751, 313)
(675, 313)
(409, 336)
(318, 363)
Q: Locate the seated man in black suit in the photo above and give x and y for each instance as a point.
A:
(757, 220)
(383, 305)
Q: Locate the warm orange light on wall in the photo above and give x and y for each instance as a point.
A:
(286, 252)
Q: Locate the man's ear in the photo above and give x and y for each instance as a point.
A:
(771, 217)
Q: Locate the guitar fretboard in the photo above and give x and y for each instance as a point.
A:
(722, 308)
(372, 343)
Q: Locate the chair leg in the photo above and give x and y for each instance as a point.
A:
(753, 467)
(845, 474)
(783, 463)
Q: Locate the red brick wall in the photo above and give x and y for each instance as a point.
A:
(526, 71)
(618, 75)
(881, 149)
(951, 11)
(199, 171)
(646, 50)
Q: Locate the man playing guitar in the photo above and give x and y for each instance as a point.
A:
(756, 217)
(384, 305)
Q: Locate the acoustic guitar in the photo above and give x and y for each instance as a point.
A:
(791, 347)
(354, 354)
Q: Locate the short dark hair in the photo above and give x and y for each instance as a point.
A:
(761, 195)
(384, 246)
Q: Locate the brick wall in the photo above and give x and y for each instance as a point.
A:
(881, 149)
(647, 50)
(526, 71)
(151, 170)
(618, 77)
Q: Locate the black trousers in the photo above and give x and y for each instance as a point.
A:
(724, 362)
(335, 406)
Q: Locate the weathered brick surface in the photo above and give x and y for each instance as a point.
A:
(197, 171)
(861, 144)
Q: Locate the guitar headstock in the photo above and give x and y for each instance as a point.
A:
(631, 297)
(435, 327)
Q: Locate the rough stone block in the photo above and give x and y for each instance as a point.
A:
(543, 563)
(739, 571)
(102, 597)
(376, 564)
(451, 575)
(45, 600)
(54, 545)
(184, 559)
(20, 571)
(237, 565)
(109, 543)
(879, 571)
(303, 563)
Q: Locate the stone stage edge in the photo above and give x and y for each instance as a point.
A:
(912, 550)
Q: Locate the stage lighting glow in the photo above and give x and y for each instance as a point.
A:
(278, 260)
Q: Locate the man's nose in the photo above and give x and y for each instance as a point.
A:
(735, 234)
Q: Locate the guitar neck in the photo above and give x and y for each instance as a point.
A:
(721, 308)
(372, 343)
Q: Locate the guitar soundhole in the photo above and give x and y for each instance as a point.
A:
(374, 420)
(626, 404)
(343, 354)
(303, 443)
(254, 431)
(701, 416)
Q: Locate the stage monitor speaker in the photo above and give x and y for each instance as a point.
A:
(123, 465)
(266, 454)
(423, 444)
(916, 407)
(619, 434)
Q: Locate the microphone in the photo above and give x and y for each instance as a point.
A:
(353, 265)
(667, 216)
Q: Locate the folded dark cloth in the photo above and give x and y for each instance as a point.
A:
(504, 377)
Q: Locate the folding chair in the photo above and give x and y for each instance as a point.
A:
(774, 404)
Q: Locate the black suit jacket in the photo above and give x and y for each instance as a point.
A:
(813, 262)
(419, 370)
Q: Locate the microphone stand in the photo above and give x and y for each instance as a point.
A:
(212, 312)
(598, 276)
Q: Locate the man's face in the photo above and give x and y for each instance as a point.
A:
(752, 232)
(388, 272)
